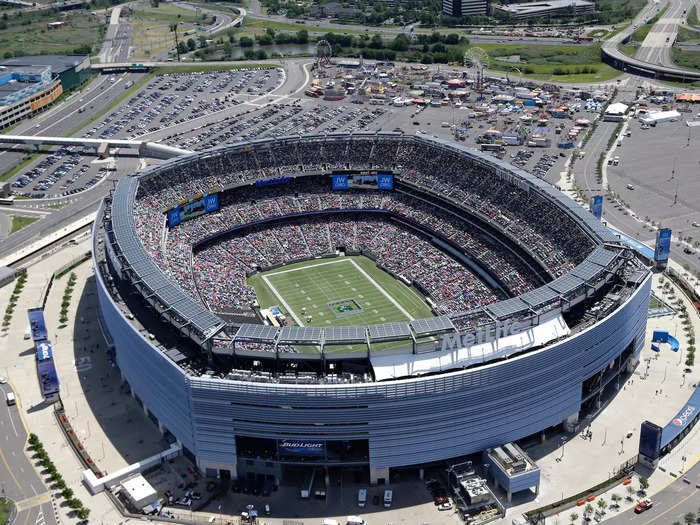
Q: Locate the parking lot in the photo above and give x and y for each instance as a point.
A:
(64, 172)
(177, 98)
(479, 120)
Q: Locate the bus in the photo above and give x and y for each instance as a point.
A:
(7, 201)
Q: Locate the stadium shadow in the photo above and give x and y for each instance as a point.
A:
(112, 406)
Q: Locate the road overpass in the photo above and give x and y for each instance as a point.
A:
(617, 59)
(102, 146)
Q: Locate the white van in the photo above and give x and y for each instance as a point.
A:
(28, 332)
(10, 398)
(361, 497)
(388, 496)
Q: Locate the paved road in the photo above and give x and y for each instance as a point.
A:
(670, 505)
(656, 46)
(659, 52)
(18, 478)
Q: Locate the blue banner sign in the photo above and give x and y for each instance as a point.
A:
(340, 182)
(596, 206)
(385, 181)
(663, 245)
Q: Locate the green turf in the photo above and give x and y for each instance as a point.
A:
(686, 58)
(314, 284)
(687, 35)
(19, 222)
(5, 510)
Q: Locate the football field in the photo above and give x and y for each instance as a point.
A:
(338, 292)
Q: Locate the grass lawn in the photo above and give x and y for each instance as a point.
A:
(616, 31)
(347, 291)
(5, 510)
(28, 35)
(597, 33)
(155, 37)
(257, 23)
(693, 17)
(166, 12)
(19, 222)
(687, 35)
(628, 50)
(614, 11)
(541, 62)
(686, 59)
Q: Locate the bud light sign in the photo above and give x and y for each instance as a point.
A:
(302, 447)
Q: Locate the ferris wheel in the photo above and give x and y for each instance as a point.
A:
(477, 60)
(324, 51)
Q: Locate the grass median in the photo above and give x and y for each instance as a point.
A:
(20, 221)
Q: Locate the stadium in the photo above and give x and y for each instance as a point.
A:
(371, 301)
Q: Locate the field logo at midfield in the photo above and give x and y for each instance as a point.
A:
(344, 307)
(483, 335)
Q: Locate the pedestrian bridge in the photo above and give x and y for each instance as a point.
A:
(102, 146)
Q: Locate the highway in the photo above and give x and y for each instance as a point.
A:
(653, 57)
(18, 477)
(656, 46)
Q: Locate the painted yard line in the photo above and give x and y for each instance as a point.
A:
(284, 303)
(307, 267)
(381, 290)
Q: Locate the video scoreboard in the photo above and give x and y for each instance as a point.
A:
(376, 180)
(195, 207)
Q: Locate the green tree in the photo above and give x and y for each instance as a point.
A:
(376, 42)
(83, 513)
(643, 483)
(616, 499)
(67, 493)
(191, 44)
(245, 41)
(689, 518)
(630, 491)
(400, 43)
(452, 39)
(74, 503)
(602, 504)
(573, 517)
(588, 510)
(302, 37)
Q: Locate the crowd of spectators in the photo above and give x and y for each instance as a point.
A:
(216, 275)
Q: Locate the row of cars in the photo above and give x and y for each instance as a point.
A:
(65, 168)
(277, 121)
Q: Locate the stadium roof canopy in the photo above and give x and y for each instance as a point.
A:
(148, 274)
